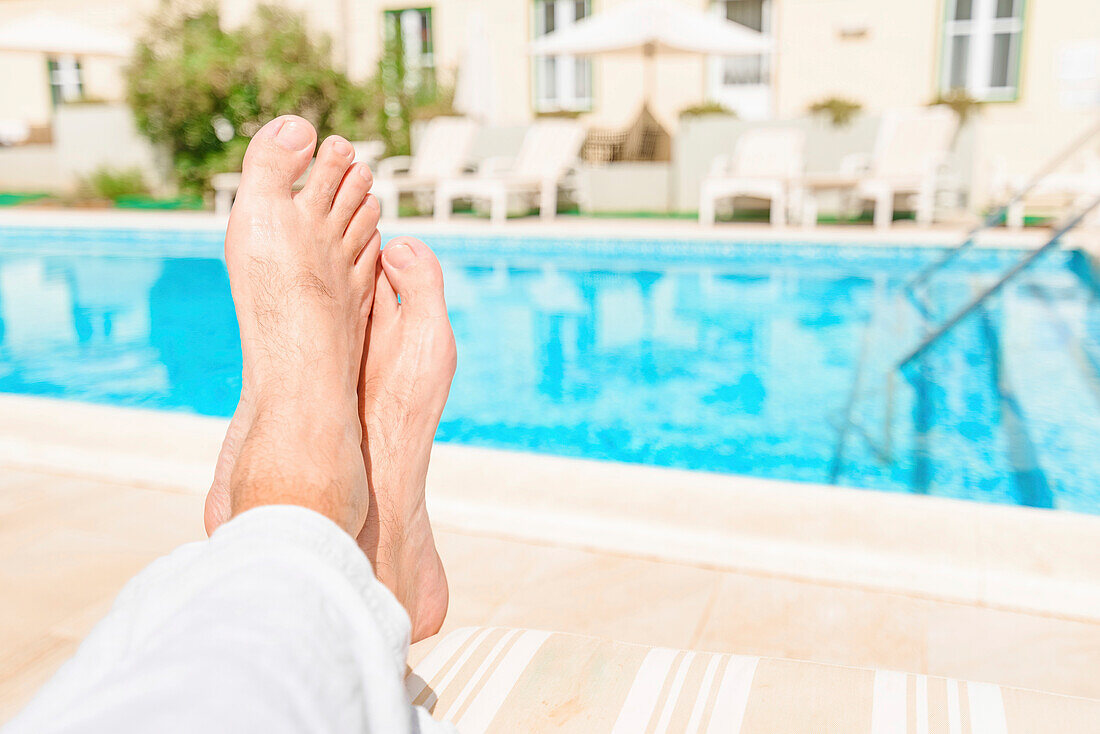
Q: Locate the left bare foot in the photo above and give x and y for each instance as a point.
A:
(406, 378)
(302, 270)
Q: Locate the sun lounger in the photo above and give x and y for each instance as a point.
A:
(910, 150)
(549, 150)
(13, 132)
(1069, 187)
(506, 680)
(765, 164)
(441, 153)
(225, 185)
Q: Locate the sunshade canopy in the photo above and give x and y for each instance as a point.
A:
(53, 34)
(654, 26)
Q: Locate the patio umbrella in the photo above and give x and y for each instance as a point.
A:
(652, 27)
(475, 92)
(53, 34)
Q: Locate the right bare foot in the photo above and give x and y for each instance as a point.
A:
(406, 378)
(301, 268)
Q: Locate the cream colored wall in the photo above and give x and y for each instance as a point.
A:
(896, 64)
(1039, 123)
(507, 29)
(104, 78)
(618, 81)
(25, 88)
(892, 64)
(24, 83)
(820, 53)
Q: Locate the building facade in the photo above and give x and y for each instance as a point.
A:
(1035, 65)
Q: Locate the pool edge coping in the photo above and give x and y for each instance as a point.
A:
(942, 549)
(938, 236)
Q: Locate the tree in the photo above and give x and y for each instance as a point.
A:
(404, 95)
(203, 91)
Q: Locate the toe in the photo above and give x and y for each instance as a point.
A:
(363, 225)
(368, 252)
(385, 298)
(353, 190)
(363, 270)
(414, 273)
(277, 155)
(333, 159)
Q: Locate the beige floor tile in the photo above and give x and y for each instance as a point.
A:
(62, 573)
(68, 545)
(1014, 649)
(26, 671)
(76, 626)
(792, 619)
(504, 582)
(626, 599)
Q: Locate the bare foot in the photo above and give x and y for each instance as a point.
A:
(302, 269)
(406, 378)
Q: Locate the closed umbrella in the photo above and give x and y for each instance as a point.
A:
(475, 91)
(652, 27)
(53, 34)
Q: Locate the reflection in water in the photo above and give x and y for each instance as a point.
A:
(709, 365)
(194, 331)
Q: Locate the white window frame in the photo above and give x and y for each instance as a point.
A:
(566, 98)
(67, 80)
(981, 30)
(719, 64)
(411, 26)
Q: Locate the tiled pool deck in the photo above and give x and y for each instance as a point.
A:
(901, 233)
(89, 495)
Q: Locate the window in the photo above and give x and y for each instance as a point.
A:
(561, 82)
(755, 14)
(982, 48)
(414, 29)
(66, 79)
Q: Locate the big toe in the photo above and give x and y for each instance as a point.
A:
(415, 275)
(278, 155)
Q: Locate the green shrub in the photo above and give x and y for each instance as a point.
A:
(960, 101)
(707, 108)
(402, 95)
(839, 111)
(203, 91)
(113, 184)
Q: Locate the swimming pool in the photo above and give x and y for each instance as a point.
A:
(702, 355)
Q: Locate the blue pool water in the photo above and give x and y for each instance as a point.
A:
(728, 358)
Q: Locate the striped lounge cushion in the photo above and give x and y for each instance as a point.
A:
(519, 681)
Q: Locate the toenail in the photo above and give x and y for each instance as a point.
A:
(342, 148)
(364, 171)
(293, 136)
(399, 256)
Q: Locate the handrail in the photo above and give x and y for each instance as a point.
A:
(998, 216)
(966, 310)
(847, 422)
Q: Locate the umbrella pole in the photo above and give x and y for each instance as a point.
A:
(649, 52)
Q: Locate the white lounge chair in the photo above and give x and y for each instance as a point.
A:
(549, 150)
(13, 131)
(910, 150)
(441, 153)
(225, 185)
(765, 164)
(1069, 187)
(495, 679)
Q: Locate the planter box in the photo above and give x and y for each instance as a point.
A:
(624, 188)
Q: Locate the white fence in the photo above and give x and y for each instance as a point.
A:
(85, 137)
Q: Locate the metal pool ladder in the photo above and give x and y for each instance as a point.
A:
(910, 293)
